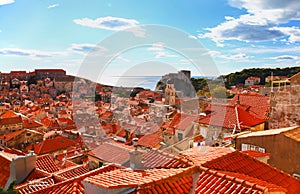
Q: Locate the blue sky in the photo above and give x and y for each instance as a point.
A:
(237, 33)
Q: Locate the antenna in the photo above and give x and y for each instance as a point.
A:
(271, 81)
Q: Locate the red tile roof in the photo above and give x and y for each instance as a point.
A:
(36, 174)
(10, 136)
(271, 187)
(293, 134)
(112, 153)
(9, 114)
(66, 164)
(211, 181)
(230, 116)
(72, 185)
(14, 151)
(151, 140)
(50, 122)
(160, 159)
(46, 163)
(294, 76)
(255, 154)
(241, 163)
(256, 105)
(37, 185)
(148, 94)
(30, 123)
(200, 155)
(155, 180)
(11, 121)
(5, 161)
(185, 122)
(106, 115)
(52, 145)
(50, 71)
(71, 152)
(67, 121)
(73, 172)
(65, 187)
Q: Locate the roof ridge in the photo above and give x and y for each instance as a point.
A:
(252, 159)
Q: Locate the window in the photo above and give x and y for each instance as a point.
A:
(252, 147)
(203, 132)
(180, 136)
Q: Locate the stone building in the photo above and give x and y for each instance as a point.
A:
(284, 105)
(170, 94)
(283, 145)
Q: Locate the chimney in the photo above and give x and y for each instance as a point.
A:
(238, 100)
(20, 167)
(135, 156)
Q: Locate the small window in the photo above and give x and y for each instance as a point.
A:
(180, 136)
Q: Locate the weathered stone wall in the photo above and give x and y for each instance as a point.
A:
(285, 108)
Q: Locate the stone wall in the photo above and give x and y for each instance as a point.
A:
(285, 108)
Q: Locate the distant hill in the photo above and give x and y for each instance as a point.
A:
(233, 79)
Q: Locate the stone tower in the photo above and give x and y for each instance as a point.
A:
(170, 93)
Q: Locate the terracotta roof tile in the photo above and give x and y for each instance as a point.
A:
(48, 122)
(155, 180)
(229, 116)
(46, 163)
(256, 105)
(30, 123)
(74, 185)
(259, 184)
(255, 154)
(37, 185)
(151, 140)
(65, 164)
(11, 121)
(293, 134)
(10, 136)
(14, 151)
(36, 174)
(51, 145)
(112, 153)
(73, 172)
(200, 155)
(159, 159)
(5, 168)
(9, 114)
(241, 163)
(70, 186)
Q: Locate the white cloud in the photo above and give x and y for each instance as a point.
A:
(86, 48)
(293, 33)
(262, 49)
(239, 57)
(158, 46)
(192, 37)
(261, 22)
(159, 50)
(137, 31)
(53, 6)
(161, 54)
(5, 2)
(28, 53)
(107, 23)
(285, 57)
(229, 18)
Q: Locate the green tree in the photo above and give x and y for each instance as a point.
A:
(31, 80)
(10, 189)
(218, 92)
